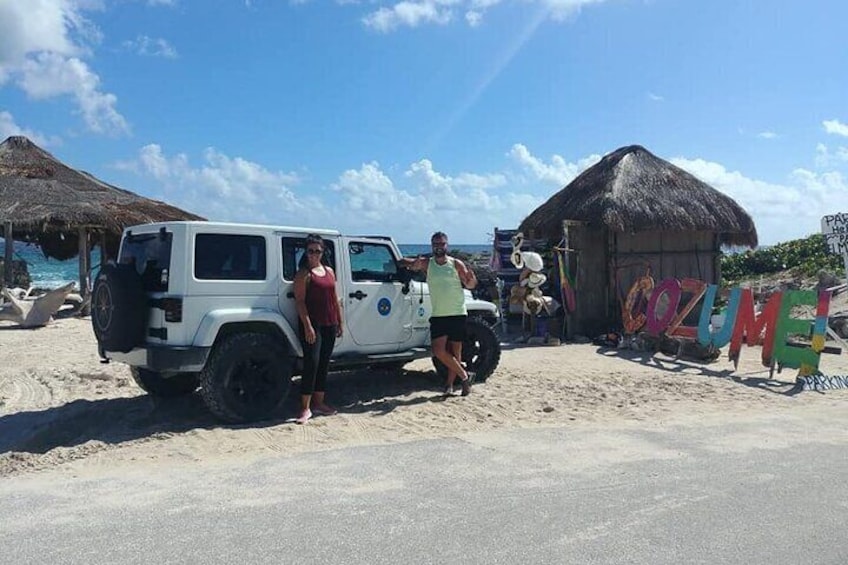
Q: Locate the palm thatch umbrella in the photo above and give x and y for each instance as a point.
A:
(632, 190)
(46, 202)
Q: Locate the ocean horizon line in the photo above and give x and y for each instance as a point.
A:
(51, 273)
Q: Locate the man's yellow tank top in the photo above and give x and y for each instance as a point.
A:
(446, 294)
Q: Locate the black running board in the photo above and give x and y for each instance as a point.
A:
(378, 358)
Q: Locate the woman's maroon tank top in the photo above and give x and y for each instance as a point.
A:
(320, 297)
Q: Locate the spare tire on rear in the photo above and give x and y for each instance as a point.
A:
(119, 308)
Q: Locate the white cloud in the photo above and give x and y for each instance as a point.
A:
(422, 199)
(556, 174)
(480, 181)
(42, 46)
(370, 194)
(415, 13)
(767, 135)
(151, 46)
(236, 189)
(473, 18)
(827, 158)
(410, 203)
(656, 97)
(835, 127)
(223, 188)
(411, 14)
(37, 26)
(564, 9)
(9, 127)
(780, 211)
(466, 205)
(48, 75)
(161, 2)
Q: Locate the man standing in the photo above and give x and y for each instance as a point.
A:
(446, 277)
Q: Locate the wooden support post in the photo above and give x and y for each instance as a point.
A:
(716, 259)
(84, 263)
(10, 253)
(104, 255)
(571, 257)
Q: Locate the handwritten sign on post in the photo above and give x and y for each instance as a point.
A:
(835, 231)
(834, 227)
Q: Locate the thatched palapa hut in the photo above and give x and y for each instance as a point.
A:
(633, 213)
(61, 209)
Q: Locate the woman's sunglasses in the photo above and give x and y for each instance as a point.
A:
(315, 251)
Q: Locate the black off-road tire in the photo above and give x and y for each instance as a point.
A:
(488, 320)
(481, 351)
(155, 384)
(119, 308)
(247, 377)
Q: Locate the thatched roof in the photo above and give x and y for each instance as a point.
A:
(47, 201)
(632, 190)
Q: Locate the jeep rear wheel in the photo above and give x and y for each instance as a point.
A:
(155, 384)
(481, 351)
(246, 378)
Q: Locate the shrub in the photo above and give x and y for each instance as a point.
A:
(804, 256)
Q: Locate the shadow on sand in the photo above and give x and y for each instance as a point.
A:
(119, 420)
(691, 367)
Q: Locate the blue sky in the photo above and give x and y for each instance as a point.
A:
(459, 115)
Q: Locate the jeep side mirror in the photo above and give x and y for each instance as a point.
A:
(403, 274)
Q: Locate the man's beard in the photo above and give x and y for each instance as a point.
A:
(440, 252)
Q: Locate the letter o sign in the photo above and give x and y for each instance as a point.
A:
(671, 287)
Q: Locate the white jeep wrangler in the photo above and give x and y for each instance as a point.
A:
(211, 305)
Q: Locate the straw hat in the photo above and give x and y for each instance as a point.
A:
(536, 279)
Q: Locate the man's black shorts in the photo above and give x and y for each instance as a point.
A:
(451, 326)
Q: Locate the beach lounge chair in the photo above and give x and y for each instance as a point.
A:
(34, 312)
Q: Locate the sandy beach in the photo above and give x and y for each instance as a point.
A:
(62, 410)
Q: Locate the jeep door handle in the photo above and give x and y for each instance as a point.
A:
(289, 295)
(359, 295)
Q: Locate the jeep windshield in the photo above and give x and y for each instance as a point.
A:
(150, 253)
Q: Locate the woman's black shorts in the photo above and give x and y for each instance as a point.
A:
(451, 326)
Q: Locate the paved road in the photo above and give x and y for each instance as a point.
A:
(768, 490)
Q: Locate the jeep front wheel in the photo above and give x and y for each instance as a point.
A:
(481, 351)
(155, 384)
(246, 377)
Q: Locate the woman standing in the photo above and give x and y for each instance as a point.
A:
(320, 324)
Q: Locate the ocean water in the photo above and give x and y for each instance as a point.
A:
(50, 273)
(412, 249)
